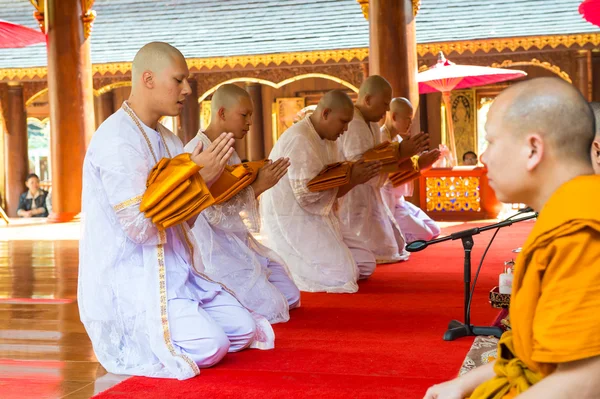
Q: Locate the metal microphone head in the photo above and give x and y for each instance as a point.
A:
(527, 210)
(416, 246)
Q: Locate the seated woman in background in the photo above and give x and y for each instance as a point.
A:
(32, 203)
(470, 158)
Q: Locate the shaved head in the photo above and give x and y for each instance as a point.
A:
(374, 85)
(231, 110)
(539, 135)
(334, 100)
(227, 96)
(159, 82)
(399, 119)
(332, 115)
(374, 97)
(596, 109)
(154, 57)
(595, 152)
(553, 108)
(401, 106)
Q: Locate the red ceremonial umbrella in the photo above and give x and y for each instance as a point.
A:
(590, 9)
(446, 76)
(16, 36)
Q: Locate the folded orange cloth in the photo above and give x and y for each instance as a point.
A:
(387, 153)
(175, 192)
(408, 171)
(234, 179)
(333, 175)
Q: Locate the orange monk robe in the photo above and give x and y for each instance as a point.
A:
(555, 304)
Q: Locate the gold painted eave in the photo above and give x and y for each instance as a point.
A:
(347, 55)
(242, 61)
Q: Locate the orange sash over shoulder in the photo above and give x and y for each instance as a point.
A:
(175, 192)
(556, 292)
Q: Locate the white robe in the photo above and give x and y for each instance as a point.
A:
(363, 213)
(302, 226)
(257, 275)
(413, 222)
(142, 294)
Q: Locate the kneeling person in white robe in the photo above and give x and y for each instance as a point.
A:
(303, 226)
(259, 278)
(364, 214)
(413, 222)
(143, 298)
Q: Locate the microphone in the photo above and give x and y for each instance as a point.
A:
(416, 246)
(526, 210)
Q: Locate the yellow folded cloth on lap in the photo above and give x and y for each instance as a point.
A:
(333, 175)
(175, 192)
(234, 179)
(408, 171)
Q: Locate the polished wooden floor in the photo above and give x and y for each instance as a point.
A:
(44, 349)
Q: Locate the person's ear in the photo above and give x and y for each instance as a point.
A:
(148, 79)
(535, 146)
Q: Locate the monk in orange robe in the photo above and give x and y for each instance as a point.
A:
(540, 133)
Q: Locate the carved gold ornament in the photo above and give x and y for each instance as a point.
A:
(38, 14)
(325, 56)
(88, 17)
(452, 194)
(364, 6)
(535, 62)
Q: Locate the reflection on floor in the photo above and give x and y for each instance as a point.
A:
(44, 349)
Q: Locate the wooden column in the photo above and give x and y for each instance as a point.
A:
(190, 115)
(393, 48)
(584, 73)
(255, 139)
(104, 107)
(15, 148)
(71, 98)
(393, 53)
(268, 97)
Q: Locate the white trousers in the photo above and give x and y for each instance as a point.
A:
(206, 331)
(414, 223)
(280, 279)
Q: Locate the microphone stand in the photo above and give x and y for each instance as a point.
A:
(457, 329)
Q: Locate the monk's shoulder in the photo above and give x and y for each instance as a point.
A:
(579, 247)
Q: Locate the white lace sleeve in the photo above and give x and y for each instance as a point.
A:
(123, 172)
(319, 203)
(231, 215)
(136, 225)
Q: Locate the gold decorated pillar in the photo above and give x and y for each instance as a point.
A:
(68, 25)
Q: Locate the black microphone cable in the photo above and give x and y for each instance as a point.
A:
(522, 211)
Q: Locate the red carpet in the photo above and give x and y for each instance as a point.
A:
(383, 342)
